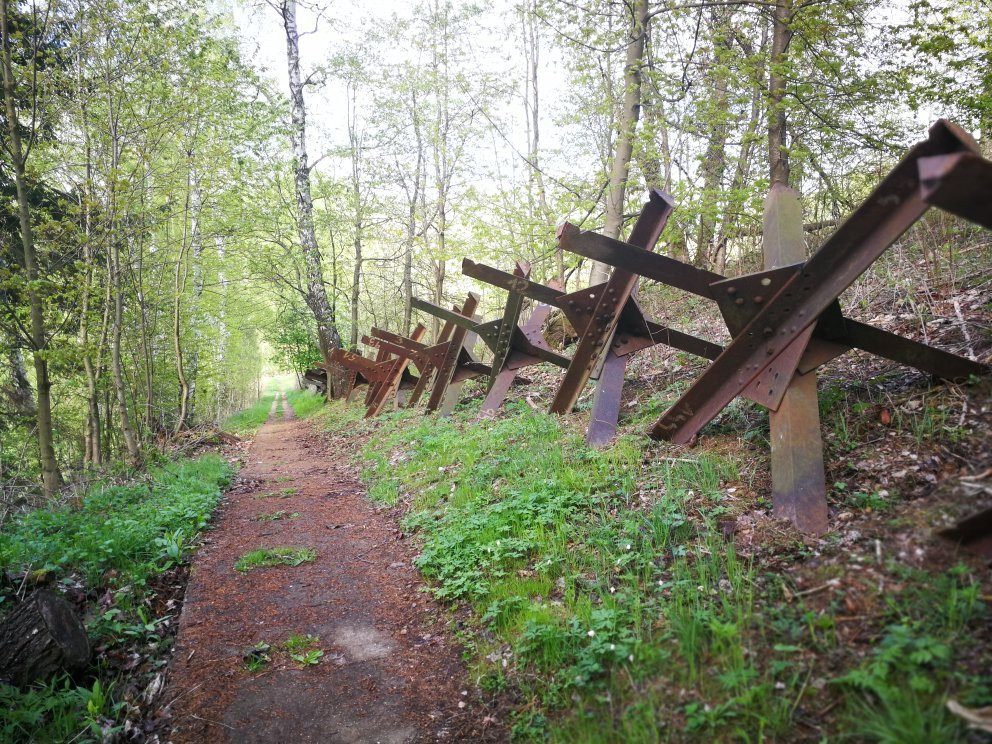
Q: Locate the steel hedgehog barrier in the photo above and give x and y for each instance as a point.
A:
(784, 322)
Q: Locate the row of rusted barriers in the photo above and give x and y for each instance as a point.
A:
(784, 322)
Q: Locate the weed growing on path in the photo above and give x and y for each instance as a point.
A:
(266, 557)
(257, 657)
(273, 516)
(302, 649)
(284, 493)
(299, 647)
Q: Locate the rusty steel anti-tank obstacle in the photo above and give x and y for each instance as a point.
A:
(787, 321)
(784, 322)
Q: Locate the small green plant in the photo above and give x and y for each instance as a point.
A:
(285, 493)
(257, 656)
(304, 403)
(308, 658)
(271, 516)
(282, 556)
(876, 501)
(302, 649)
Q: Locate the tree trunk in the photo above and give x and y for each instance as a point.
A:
(41, 636)
(626, 129)
(117, 321)
(715, 116)
(193, 365)
(51, 476)
(20, 394)
(316, 294)
(778, 153)
(358, 223)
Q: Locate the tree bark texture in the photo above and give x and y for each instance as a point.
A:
(41, 636)
(778, 153)
(316, 294)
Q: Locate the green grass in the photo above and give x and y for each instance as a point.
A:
(605, 592)
(251, 419)
(282, 556)
(305, 403)
(111, 545)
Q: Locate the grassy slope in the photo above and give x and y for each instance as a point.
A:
(605, 595)
(110, 549)
(305, 403)
(250, 420)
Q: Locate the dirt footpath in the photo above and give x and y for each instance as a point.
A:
(389, 671)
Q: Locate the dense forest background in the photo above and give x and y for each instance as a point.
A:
(175, 216)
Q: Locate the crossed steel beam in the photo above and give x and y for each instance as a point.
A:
(607, 317)
(514, 346)
(772, 343)
(789, 320)
(452, 362)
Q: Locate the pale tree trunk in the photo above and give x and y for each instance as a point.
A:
(193, 367)
(117, 285)
(50, 474)
(415, 195)
(179, 287)
(626, 130)
(715, 157)
(358, 222)
(778, 153)
(316, 294)
(20, 394)
(532, 105)
(221, 324)
(93, 455)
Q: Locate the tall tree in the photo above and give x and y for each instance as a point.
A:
(19, 151)
(316, 295)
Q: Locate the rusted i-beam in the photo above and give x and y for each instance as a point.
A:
(390, 384)
(598, 331)
(781, 320)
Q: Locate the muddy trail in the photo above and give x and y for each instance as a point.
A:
(389, 671)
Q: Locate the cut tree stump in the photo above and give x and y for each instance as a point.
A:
(40, 637)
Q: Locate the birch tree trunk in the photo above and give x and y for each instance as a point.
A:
(316, 294)
(50, 474)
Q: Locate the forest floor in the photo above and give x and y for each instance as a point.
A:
(342, 647)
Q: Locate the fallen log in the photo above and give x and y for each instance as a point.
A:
(40, 637)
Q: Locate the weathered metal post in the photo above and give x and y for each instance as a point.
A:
(799, 490)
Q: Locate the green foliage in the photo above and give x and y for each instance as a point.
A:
(281, 556)
(134, 530)
(302, 649)
(305, 403)
(294, 340)
(257, 657)
(250, 420)
(601, 584)
(117, 539)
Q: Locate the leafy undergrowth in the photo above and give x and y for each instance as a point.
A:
(120, 556)
(642, 593)
(305, 403)
(250, 420)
